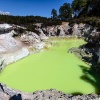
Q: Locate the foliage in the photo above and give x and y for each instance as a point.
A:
(96, 8)
(65, 11)
(25, 20)
(32, 28)
(78, 6)
(86, 7)
(54, 14)
(85, 10)
(94, 21)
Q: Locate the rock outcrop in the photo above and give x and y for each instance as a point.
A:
(13, 48)
(5, 28)
(90, 52)
(30, 38)
(52, 94)
(15, 56)
(42, 35)
(7, 42)
(77, 30)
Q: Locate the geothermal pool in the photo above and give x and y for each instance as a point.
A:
(54, 68)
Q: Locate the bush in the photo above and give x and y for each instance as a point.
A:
(32, 28)
(94, 21)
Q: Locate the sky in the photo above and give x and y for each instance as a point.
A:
(30, 7)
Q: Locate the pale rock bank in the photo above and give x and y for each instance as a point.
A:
(7, 93)
(14, 48)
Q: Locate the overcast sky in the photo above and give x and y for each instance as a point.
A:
(30, 7)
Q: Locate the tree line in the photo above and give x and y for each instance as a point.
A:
(78, 8)
(28, 20)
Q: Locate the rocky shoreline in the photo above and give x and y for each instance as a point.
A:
(52, 94)
(29, 42)
(15, 45)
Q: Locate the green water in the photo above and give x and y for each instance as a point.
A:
(54, 68)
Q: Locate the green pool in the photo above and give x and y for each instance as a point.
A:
(54, 68)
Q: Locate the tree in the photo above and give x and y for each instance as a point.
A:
(78, 6)
(86, 7)
(54, 14)
(96, 8)
(65, 11)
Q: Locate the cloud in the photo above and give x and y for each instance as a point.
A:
(4, 13)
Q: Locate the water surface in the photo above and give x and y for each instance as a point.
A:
(54, 68)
